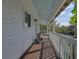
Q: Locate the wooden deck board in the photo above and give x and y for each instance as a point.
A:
(43, 50)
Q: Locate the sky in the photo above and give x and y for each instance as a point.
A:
(65, 16)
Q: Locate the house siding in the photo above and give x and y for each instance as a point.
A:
(15, 36)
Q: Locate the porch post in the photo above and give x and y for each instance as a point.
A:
(47, 28)
(54, 25)
(38, 27)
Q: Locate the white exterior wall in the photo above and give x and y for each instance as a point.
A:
(16, 38)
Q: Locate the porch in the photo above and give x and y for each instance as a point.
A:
(57, 46)
(42, 50)
(21, 21)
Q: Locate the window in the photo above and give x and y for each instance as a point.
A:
(27, 19)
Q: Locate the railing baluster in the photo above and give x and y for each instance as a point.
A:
(66, 46)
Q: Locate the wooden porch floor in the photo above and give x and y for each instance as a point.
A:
(43, 50)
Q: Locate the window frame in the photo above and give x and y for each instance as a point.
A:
(27, 19)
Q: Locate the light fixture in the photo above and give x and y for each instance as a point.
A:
(25, 24)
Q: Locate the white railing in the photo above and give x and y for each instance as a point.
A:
(65, 46)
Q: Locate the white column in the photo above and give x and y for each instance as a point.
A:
(53, 25)
(47, 28)
(35, 28)
(38, 28)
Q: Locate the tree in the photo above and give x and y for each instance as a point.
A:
(75, 1)
(73, 20)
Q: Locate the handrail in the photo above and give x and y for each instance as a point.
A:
(69, 38)
(65, 36)
(65, 45)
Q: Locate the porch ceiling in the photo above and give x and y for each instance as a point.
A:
(47, 8)
(44, 9)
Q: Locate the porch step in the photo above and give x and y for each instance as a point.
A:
(43, 50)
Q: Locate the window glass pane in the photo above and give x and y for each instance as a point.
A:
(27, 19)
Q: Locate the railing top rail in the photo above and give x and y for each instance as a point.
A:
(67, 38)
